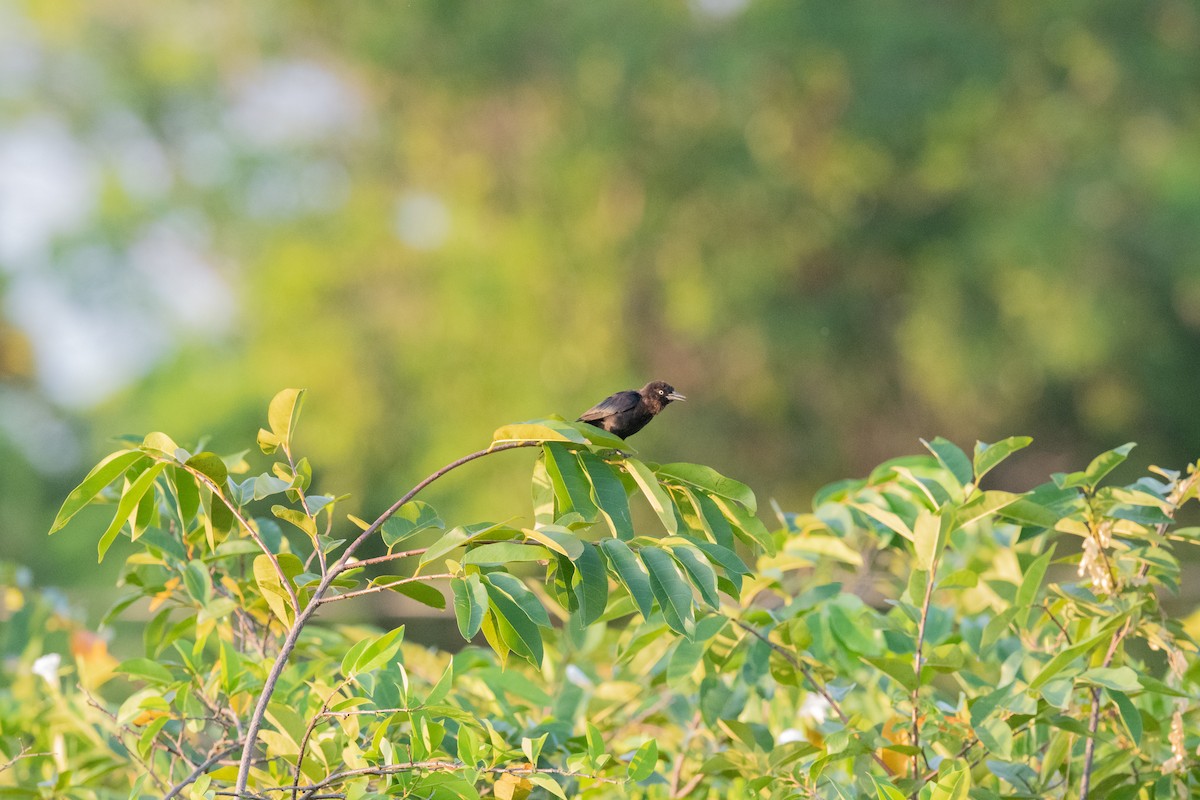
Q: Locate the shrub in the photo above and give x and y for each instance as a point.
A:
(914, 635)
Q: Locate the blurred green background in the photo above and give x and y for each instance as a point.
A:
(837, 227)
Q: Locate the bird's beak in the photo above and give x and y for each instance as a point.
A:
(676, 396)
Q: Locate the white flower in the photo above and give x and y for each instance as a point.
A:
(789, 735)
(47, 667)
(578, 677)
(815, 707)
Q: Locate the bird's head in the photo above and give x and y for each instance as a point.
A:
(660, 393)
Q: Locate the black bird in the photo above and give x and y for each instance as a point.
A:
(626, 413)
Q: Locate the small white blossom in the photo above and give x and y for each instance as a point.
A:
(789, 735)
(578, 677)
(1092, 565)
(47, 667)
(815, 707)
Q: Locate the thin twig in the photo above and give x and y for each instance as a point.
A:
(287, 452)
(23, 754)
(201, 768)
(312, 726)
(1066, 634)
(373, 589)
(245, 523)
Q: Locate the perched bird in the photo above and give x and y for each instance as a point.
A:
(626, 413)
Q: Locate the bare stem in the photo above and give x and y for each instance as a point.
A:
(382, 586)
(217, 754)
(312, 726)
(304, 615)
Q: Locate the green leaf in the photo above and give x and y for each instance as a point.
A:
(186, 493)
(157, 443)
(635, 580)
(571, 485)
(298, 518)
(423, 593)
(748, 527)
(267, 441)
(412, 518)
(982, 505)
(505, 553)
(851, 632)
(211, 466)
(556, 538)
(1057, 692)
(380, 650)
(1106, 462)
(1056, 754)
(644, 760)
(950, 456)
(1060, 661)
(899, 669)
(104, 473)
(129, 501)
(960, 579)
(511, 619)
(543, 430)
(929, 538)
(997, 626)
(699, 573)
(595, 743)
(684, 658)
(1129, 715)
(1119, 679)
(532, 748)
(995, 735)
(673, 595)
(543, 494)
(272, 588)
(710, 481)
(609, 494)
(1031, 581)
(520, 594)
(455, 538)
(546, 782)
(885, 790)
(714, 521)
(602, 438)
(988, 456)
(196, 581)
(266, 485)
(470, 603)
(659, 500)
(146, 669)
(590, 585)
(283, 413)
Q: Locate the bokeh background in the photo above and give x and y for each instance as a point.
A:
(837, 227)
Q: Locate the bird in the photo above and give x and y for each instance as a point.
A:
(625, 413)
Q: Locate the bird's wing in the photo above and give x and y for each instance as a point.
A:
(613, 404)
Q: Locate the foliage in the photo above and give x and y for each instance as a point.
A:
(915, 635)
